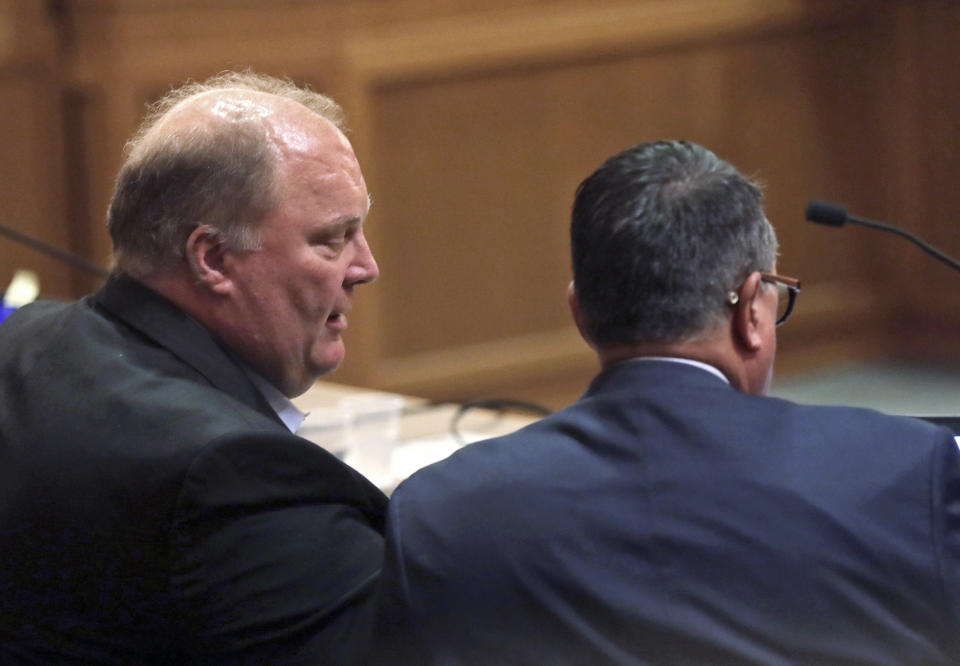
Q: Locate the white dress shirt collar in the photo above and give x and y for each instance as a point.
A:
(686, 361)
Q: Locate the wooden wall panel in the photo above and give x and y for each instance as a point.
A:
(931, 305)
(474, 120)
(478, 144)
(31, 195)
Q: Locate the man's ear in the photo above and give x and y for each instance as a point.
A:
(747, 312)
(205, 252)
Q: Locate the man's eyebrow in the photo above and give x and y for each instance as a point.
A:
(345, 224)
(354, 221)
(342, 225)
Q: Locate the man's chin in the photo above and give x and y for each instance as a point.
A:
(330, 358)
(311, 379)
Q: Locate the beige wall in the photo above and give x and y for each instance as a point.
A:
(474, 121)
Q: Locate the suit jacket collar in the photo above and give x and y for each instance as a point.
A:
(170, 327)
(627, 375)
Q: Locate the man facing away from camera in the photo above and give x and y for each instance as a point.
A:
(675, 515)
(155, 507)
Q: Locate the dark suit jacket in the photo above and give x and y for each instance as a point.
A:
(666, 518)
(153, 509)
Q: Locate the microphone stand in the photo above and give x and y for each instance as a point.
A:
(57, 253)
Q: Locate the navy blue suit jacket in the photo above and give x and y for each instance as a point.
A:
(153, 509)
(666, 518)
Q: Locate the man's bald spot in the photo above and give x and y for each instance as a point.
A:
(204, 111)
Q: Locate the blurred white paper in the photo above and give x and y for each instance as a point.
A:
(23, 289)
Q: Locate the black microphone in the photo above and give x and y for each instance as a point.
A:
(57, 253)
(833, 215)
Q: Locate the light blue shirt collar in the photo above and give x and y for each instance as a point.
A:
(285, 409)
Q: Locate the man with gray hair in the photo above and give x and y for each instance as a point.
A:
(155, 505)
(675, 515)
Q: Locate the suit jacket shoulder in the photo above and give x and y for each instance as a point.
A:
(667, 518)
(145, 474)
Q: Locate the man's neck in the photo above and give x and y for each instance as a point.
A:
(715, 352)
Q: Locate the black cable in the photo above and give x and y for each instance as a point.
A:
(495, 404)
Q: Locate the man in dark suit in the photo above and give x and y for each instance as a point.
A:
(674, 515)
(155, 505)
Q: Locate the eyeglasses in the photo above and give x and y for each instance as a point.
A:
(787, 290)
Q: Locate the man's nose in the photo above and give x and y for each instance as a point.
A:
(363, 268)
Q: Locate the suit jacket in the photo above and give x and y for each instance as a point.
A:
(153, 509)
(666, 518)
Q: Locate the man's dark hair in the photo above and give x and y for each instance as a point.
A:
(660, 233)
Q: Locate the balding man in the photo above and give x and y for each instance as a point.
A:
(155, 505)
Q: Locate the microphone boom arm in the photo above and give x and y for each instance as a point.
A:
(916, 240)
(830, 214)
(57, 253)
